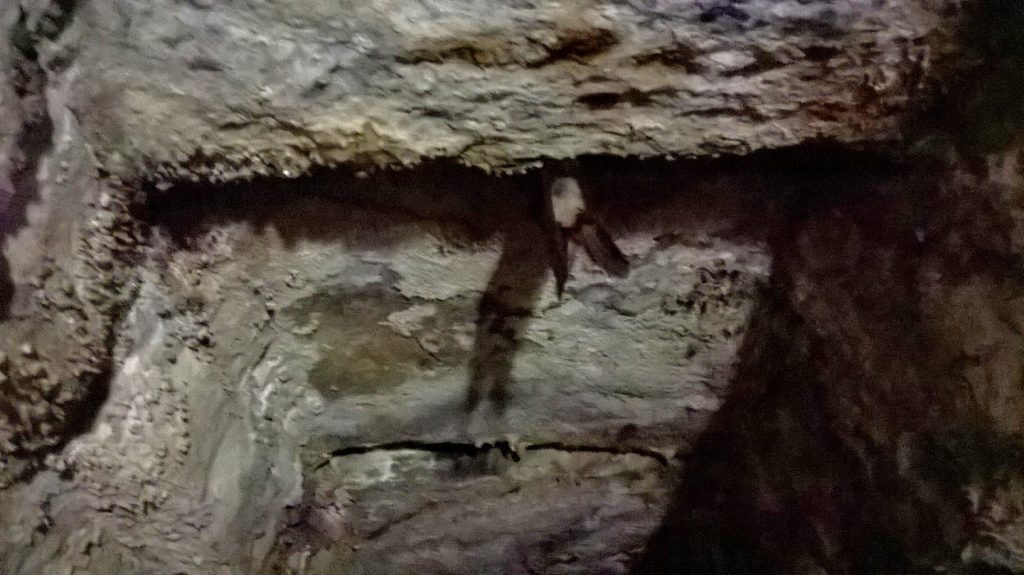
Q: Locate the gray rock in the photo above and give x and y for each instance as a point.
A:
(275, 88)
(403, 392)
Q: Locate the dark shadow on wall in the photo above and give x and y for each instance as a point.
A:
(975, 101)
(849, 434)
(503, 315)
(28, 79)
(768, 486)
(31, 146)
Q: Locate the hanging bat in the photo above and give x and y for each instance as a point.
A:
(568, 217)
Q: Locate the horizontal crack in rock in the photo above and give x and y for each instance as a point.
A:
(662, 457)
(506, 448)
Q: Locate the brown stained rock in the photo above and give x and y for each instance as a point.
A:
(180, 92)
(319, 421)
(875, 421)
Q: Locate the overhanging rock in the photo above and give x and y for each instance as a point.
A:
(225, 90)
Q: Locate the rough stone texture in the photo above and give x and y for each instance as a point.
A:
(814, 365)
(228, 89)
(305, 364)
(875, 422)
(67, 238)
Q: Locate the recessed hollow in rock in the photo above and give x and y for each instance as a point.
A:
(376, 373)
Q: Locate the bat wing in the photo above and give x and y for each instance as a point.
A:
(602, 249)
(556, 238)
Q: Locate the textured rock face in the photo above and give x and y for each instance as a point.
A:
(227, 89)
(813, 365)
(296, 378)
(874, 425)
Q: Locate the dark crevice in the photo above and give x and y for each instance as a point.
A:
(677, 55)
(34, 141)
(82, 414)
(654, 454)
(821, 53)
(79, 397)
(506, 448)
(439, 447)
(34, 144)
(633, 97)
(724, 9)
(444, 190)
(577, 45)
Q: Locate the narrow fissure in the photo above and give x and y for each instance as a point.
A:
(507, 449)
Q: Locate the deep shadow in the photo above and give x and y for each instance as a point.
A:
(474, 205)
(324, 205)
(975, 98)
(503, 314)
(28, 78)
(767, 486)
(32, 144)
(760, 492)
(826, 456)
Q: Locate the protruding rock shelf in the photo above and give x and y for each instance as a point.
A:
(235, 89)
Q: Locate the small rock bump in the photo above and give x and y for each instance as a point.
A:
(35, 369)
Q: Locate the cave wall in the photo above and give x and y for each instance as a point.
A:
(233, 89)
(233, 343)
(297, 378)
(874, 423)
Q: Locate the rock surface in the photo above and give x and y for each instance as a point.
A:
(231, 343)
(874, 424)
(231, 89)
(298, 374)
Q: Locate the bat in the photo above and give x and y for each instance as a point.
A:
(567, 216)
